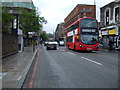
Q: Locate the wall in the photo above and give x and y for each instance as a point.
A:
(9, 44)
(104, 8)
(111, 26)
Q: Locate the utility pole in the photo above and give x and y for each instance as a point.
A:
(53, 35)
(94, 9)
(33, 37)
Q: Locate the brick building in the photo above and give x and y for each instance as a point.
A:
(110, 23)
(81, 10)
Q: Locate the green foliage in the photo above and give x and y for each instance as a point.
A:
(44, 36)
(50, 35)
(0, 18)
(6, 19)
(30, 21)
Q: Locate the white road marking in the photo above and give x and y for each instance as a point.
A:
(71, 53)
(19, 78)
(62, 50)
(91, 61)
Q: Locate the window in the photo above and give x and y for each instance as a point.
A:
(117, 14)
(89, 39)
(107, 17)
(73, 27)
(119, 30)
(89, 23)
(70, 39)
(84, 9)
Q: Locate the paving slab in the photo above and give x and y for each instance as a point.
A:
(16, 67)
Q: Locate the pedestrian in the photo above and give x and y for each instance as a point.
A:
(41, 42)
(111, 45)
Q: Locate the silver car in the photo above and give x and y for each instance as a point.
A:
(52, 45)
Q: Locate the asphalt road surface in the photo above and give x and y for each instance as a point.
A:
(63, 68)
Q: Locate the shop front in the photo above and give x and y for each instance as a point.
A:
(108, 33)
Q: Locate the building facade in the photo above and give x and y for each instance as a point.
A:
(59, 32)
(13, 7)
(80, 11)
(15, 36)
(110, 23)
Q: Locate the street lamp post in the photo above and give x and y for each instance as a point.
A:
(33, 41)
(94, 9)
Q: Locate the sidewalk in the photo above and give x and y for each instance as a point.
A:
(15, 67)
(107, 50)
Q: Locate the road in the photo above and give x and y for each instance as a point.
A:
(65, 68)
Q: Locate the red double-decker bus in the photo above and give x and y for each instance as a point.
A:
(83, 35)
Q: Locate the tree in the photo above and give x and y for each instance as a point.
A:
(6, 20)
(44, 36)
(30, 21)
(50, 35)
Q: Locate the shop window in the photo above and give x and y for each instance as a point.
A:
(117, 14)
(107, 16)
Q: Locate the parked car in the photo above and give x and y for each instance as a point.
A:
(61, 43)
(51, 45)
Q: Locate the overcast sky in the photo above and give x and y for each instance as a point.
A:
(55, 11)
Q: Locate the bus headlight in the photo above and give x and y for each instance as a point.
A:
(81, 46)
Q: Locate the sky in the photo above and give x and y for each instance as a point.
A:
(55, 11)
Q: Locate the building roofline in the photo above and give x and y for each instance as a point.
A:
(77, 6)
(116, 1)
(110, 3)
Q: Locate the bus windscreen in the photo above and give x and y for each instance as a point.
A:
(90, 23)
(89, 39)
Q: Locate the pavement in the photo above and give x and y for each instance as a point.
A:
(107, 49)
(16, 67)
